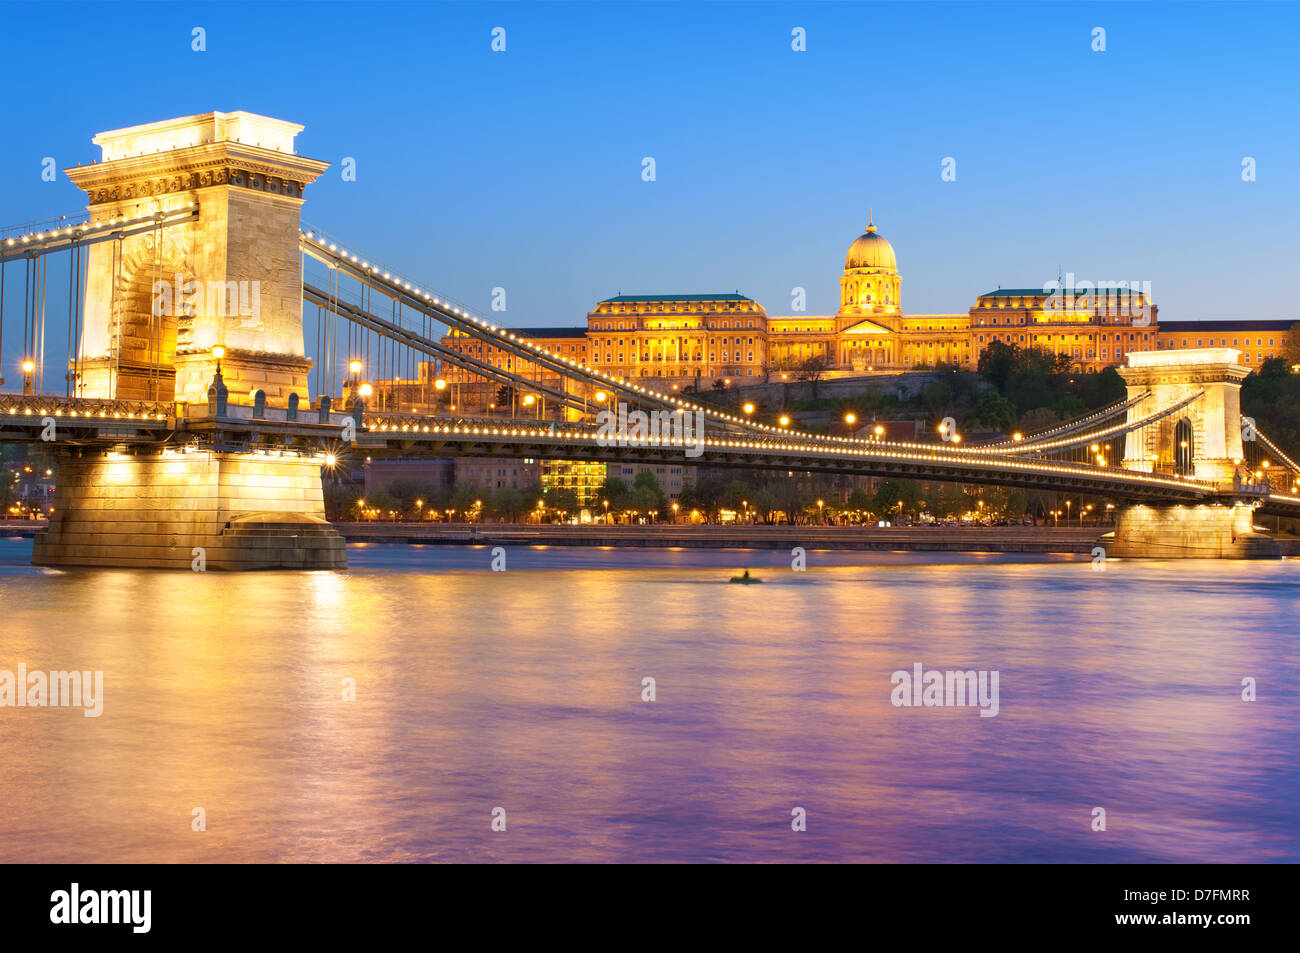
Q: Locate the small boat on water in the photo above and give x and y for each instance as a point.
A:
(746, 579)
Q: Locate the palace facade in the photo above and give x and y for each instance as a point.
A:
(680, 341)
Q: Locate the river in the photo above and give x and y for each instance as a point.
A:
(224, 699)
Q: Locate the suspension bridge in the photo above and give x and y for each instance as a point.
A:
(190, 418)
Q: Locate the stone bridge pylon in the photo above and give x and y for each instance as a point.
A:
(1201, 441)
(164, 311)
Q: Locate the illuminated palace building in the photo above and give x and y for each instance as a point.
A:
(678, 341)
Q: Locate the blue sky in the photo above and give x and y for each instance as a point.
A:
(522, 169)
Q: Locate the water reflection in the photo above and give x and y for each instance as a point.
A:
(522, 689)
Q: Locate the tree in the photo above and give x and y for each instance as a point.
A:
(646, 480)
(562, 499)
(735, 495)
(646, 500)
(617, 493)
(1040, 418)
(764, 503)
(1271, 396)
(1291, 345)
(1104, 388)
(383, 501)
(862, 501)
(811, 370)
(997, 362)
(992, 412)
(937, 396)
(508, 502)
(947, 500)
(897, 496)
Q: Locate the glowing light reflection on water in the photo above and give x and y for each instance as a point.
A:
(1119, 689)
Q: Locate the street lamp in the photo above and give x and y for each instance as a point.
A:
(785, 421)
(850, 419)
(1067, 512)
(28, 367)
(748, 408)
(218, 352)
(820, 505)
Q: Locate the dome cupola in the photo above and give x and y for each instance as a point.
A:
(871, 250)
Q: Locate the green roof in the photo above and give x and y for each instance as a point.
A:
(1040, 293)
(676, 297)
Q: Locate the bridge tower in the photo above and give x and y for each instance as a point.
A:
(1202, 441)
(157, 305)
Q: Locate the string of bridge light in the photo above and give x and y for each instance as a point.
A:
(356, 313)
(81, 231)
(1065, 444)
(569, 436)
(447, 307)
(90, 414)
(511, 342)
(444, 305)
(1276, 451)
(1016, 442)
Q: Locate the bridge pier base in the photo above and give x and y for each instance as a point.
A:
(179, 510)
(1205, 531)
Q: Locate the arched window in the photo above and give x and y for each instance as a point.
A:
(1184, 447)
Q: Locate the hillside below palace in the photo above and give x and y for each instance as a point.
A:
(694, 340)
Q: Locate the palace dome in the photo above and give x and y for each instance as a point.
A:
(871, 250)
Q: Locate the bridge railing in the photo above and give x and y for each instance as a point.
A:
(45, 405)
(72, 219)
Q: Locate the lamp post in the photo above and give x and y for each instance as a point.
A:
(29, 366)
